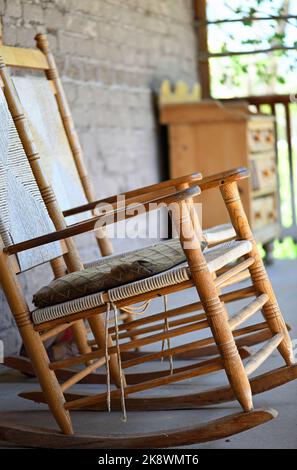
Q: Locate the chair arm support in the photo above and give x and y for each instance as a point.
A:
(112, 217)
(131, 196)
(226, 177)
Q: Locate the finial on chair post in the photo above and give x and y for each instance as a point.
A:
(2, 67)
(43, 45)
(42, 42)
(2, 63)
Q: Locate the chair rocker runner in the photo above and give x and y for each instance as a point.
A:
(29, 239)
(68, 159)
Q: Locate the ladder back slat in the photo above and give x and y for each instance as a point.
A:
(21, 57)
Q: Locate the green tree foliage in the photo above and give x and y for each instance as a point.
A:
(258, 35)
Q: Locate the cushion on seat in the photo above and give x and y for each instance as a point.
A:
(112, 272)
(215, 258)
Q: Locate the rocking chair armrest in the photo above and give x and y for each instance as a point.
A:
(113, 217)
(226, 177)
(131, 196)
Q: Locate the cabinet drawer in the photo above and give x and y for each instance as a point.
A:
(264, 173)
(261, 139)
(263, 211)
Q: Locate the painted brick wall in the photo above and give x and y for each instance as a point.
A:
(111, 54)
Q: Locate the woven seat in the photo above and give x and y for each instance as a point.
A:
(216, 258)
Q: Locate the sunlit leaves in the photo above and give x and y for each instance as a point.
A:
(275, 33)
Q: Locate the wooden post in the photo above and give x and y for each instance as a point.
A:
(193, 214)
(271, 310)
(214, 309)
(52, 74)
(1, 32)
(33, 343)
(291, 160)
(203, 61)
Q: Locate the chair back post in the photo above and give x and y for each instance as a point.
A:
(53, 75)
(193, 214)
(271, 310)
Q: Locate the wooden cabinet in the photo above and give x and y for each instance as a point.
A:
(211, 137)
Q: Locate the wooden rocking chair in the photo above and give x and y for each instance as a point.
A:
(65, 161)
(28, 239)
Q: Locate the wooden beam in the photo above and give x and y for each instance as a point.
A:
(291, 162)
(1, 31)
(261, 99)
(217, 55)
(251, 18)
(203, 61)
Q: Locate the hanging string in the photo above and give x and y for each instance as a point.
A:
(137, 309)
(133, 310)
(123, 403)
(107, 358)
(166, 330)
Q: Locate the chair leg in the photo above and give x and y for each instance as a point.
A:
(47, 378)
(214, 309)
(130, 318)
(80, 337)
(33, 343)
(271, 310)
(218, 321)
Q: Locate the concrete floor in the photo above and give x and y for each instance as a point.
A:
(280, 433)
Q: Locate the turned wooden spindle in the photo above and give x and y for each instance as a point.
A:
(270, 309)
(214, 309)
(33, 343)
(53, 75)
(192, 211)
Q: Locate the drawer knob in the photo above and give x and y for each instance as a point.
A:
(257, 215)
(266, 172)
(257, 137)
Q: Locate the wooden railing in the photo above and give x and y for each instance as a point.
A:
(271, 104)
